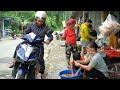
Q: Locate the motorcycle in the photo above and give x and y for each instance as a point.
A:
(26, 57)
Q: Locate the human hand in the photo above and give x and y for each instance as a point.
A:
(76, 64)
(76, 74)
(46, 42)
(78, 61)
(72, 74)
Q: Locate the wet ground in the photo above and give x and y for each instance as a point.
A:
(56, 60)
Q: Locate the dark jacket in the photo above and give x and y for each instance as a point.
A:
(39, 30)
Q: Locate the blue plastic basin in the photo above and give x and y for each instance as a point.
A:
(69, 72)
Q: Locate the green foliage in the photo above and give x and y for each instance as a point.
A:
(79, 47)
(19, 17)
(54, 18)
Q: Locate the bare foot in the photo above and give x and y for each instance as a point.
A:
(42, 76)
(11, 66)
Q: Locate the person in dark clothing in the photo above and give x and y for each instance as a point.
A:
(119, 38)
(39, 28)
(13, 34)
(92, 32)
(119, 34)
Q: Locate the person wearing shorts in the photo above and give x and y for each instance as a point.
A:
(85, 36)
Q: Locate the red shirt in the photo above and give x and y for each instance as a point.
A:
(70, 36)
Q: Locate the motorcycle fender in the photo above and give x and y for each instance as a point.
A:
(20, 71)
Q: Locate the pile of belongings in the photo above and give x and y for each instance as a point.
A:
(109, 27)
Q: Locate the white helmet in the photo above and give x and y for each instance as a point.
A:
(40, 15)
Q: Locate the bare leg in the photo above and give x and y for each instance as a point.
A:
(82, 51)
(37, 69)
(13, 63)
(72, 66)
(76, 74)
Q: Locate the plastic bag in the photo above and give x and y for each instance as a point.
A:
(109, 27)
(100, 36)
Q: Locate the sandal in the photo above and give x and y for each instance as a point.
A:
(42, 76)
(11, 66)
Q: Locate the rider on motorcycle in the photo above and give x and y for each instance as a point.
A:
(39, 28)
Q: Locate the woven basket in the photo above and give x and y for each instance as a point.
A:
(114, 71)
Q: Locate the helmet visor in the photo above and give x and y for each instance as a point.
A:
(41, 18)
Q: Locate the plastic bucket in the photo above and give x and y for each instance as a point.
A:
(69, 72)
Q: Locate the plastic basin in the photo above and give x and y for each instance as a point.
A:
(69, 72)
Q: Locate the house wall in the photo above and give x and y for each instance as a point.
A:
(4, 24)
(117, 13)
(0, 27)
(97, 17)
(78, 16)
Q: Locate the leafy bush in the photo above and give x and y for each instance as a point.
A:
(78, 47)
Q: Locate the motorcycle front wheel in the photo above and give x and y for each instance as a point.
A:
(18, 76)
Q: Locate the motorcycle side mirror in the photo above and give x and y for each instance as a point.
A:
(50, 31)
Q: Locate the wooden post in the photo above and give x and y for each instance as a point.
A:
(3, 28)
(83, 15)
(102, 12)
